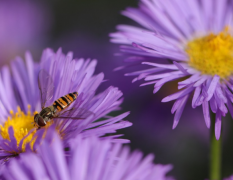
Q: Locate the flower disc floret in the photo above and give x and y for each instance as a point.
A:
(23, 126)
(212, 54)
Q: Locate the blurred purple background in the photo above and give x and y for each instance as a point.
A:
(83, 27)
(24, 25)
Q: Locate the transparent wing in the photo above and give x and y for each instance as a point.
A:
(46, 86)
(74, 114)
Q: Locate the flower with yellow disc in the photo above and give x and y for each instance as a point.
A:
(20, 99)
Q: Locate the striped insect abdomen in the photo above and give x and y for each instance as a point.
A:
(64, 101)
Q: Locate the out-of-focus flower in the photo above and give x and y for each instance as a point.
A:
(23, 24)
(229, 178)
(88, 158)
(197, 41)
(20, 97)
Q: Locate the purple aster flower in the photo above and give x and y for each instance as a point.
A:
(20, 97)
(183, 39)
(88, 158)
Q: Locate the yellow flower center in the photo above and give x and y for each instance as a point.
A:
(22, 125)
(212, 54)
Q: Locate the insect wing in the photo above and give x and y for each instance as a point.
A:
(75, 114)
(46, 86)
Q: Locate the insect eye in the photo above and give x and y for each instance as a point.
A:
(41, 121)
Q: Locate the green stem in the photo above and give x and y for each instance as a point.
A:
(215, 153)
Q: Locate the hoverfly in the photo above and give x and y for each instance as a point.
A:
(60, 107)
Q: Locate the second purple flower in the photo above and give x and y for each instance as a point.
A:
(193, 43)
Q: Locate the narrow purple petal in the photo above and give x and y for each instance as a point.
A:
(161, 52)
(230, 107)
(159, 14)
(176, 105)
(151, 70)
(213, 105)
(13, 141)
(161, 82)
(18, 171)
(175, 15)
(220, 94)
(202, 80)
(148, 83)
(194, 8)
(218, 123)
(140, 17)
(220, 14)
(188, 81)
(171, 77)
(205, 108)
(196, 95)
(180, 67)
(212, 87)
(179, 111)
(165, 66)
(141, 76)
(229, 94)
(163, 75)
(208, 13)
(220, 104)
(179, 94)
(109, 120)
(7, 94)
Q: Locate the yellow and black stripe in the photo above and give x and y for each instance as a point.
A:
(64, 101)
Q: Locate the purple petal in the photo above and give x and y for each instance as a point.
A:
(180, 67)
(212, 87)
(230, 107)
(140, 17)
(221, 7)
(179, 111)
(176, 105)
(161, 82)
(171, 77)
(202, 80)
(148, 83)
(194, 8)
(218, 124)
(164, 66)
(163, 75)
(213, 105)
(220, 104)
(195, 96)
(174, 14)
(160, 15)
(205, 107)
(188, 81)
(12, 138)
(229, 94)
(151, 70)
(179, 94)
(220, 94)
(208, 13)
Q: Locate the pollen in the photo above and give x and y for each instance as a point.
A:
(212, 54)
(23, 125)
